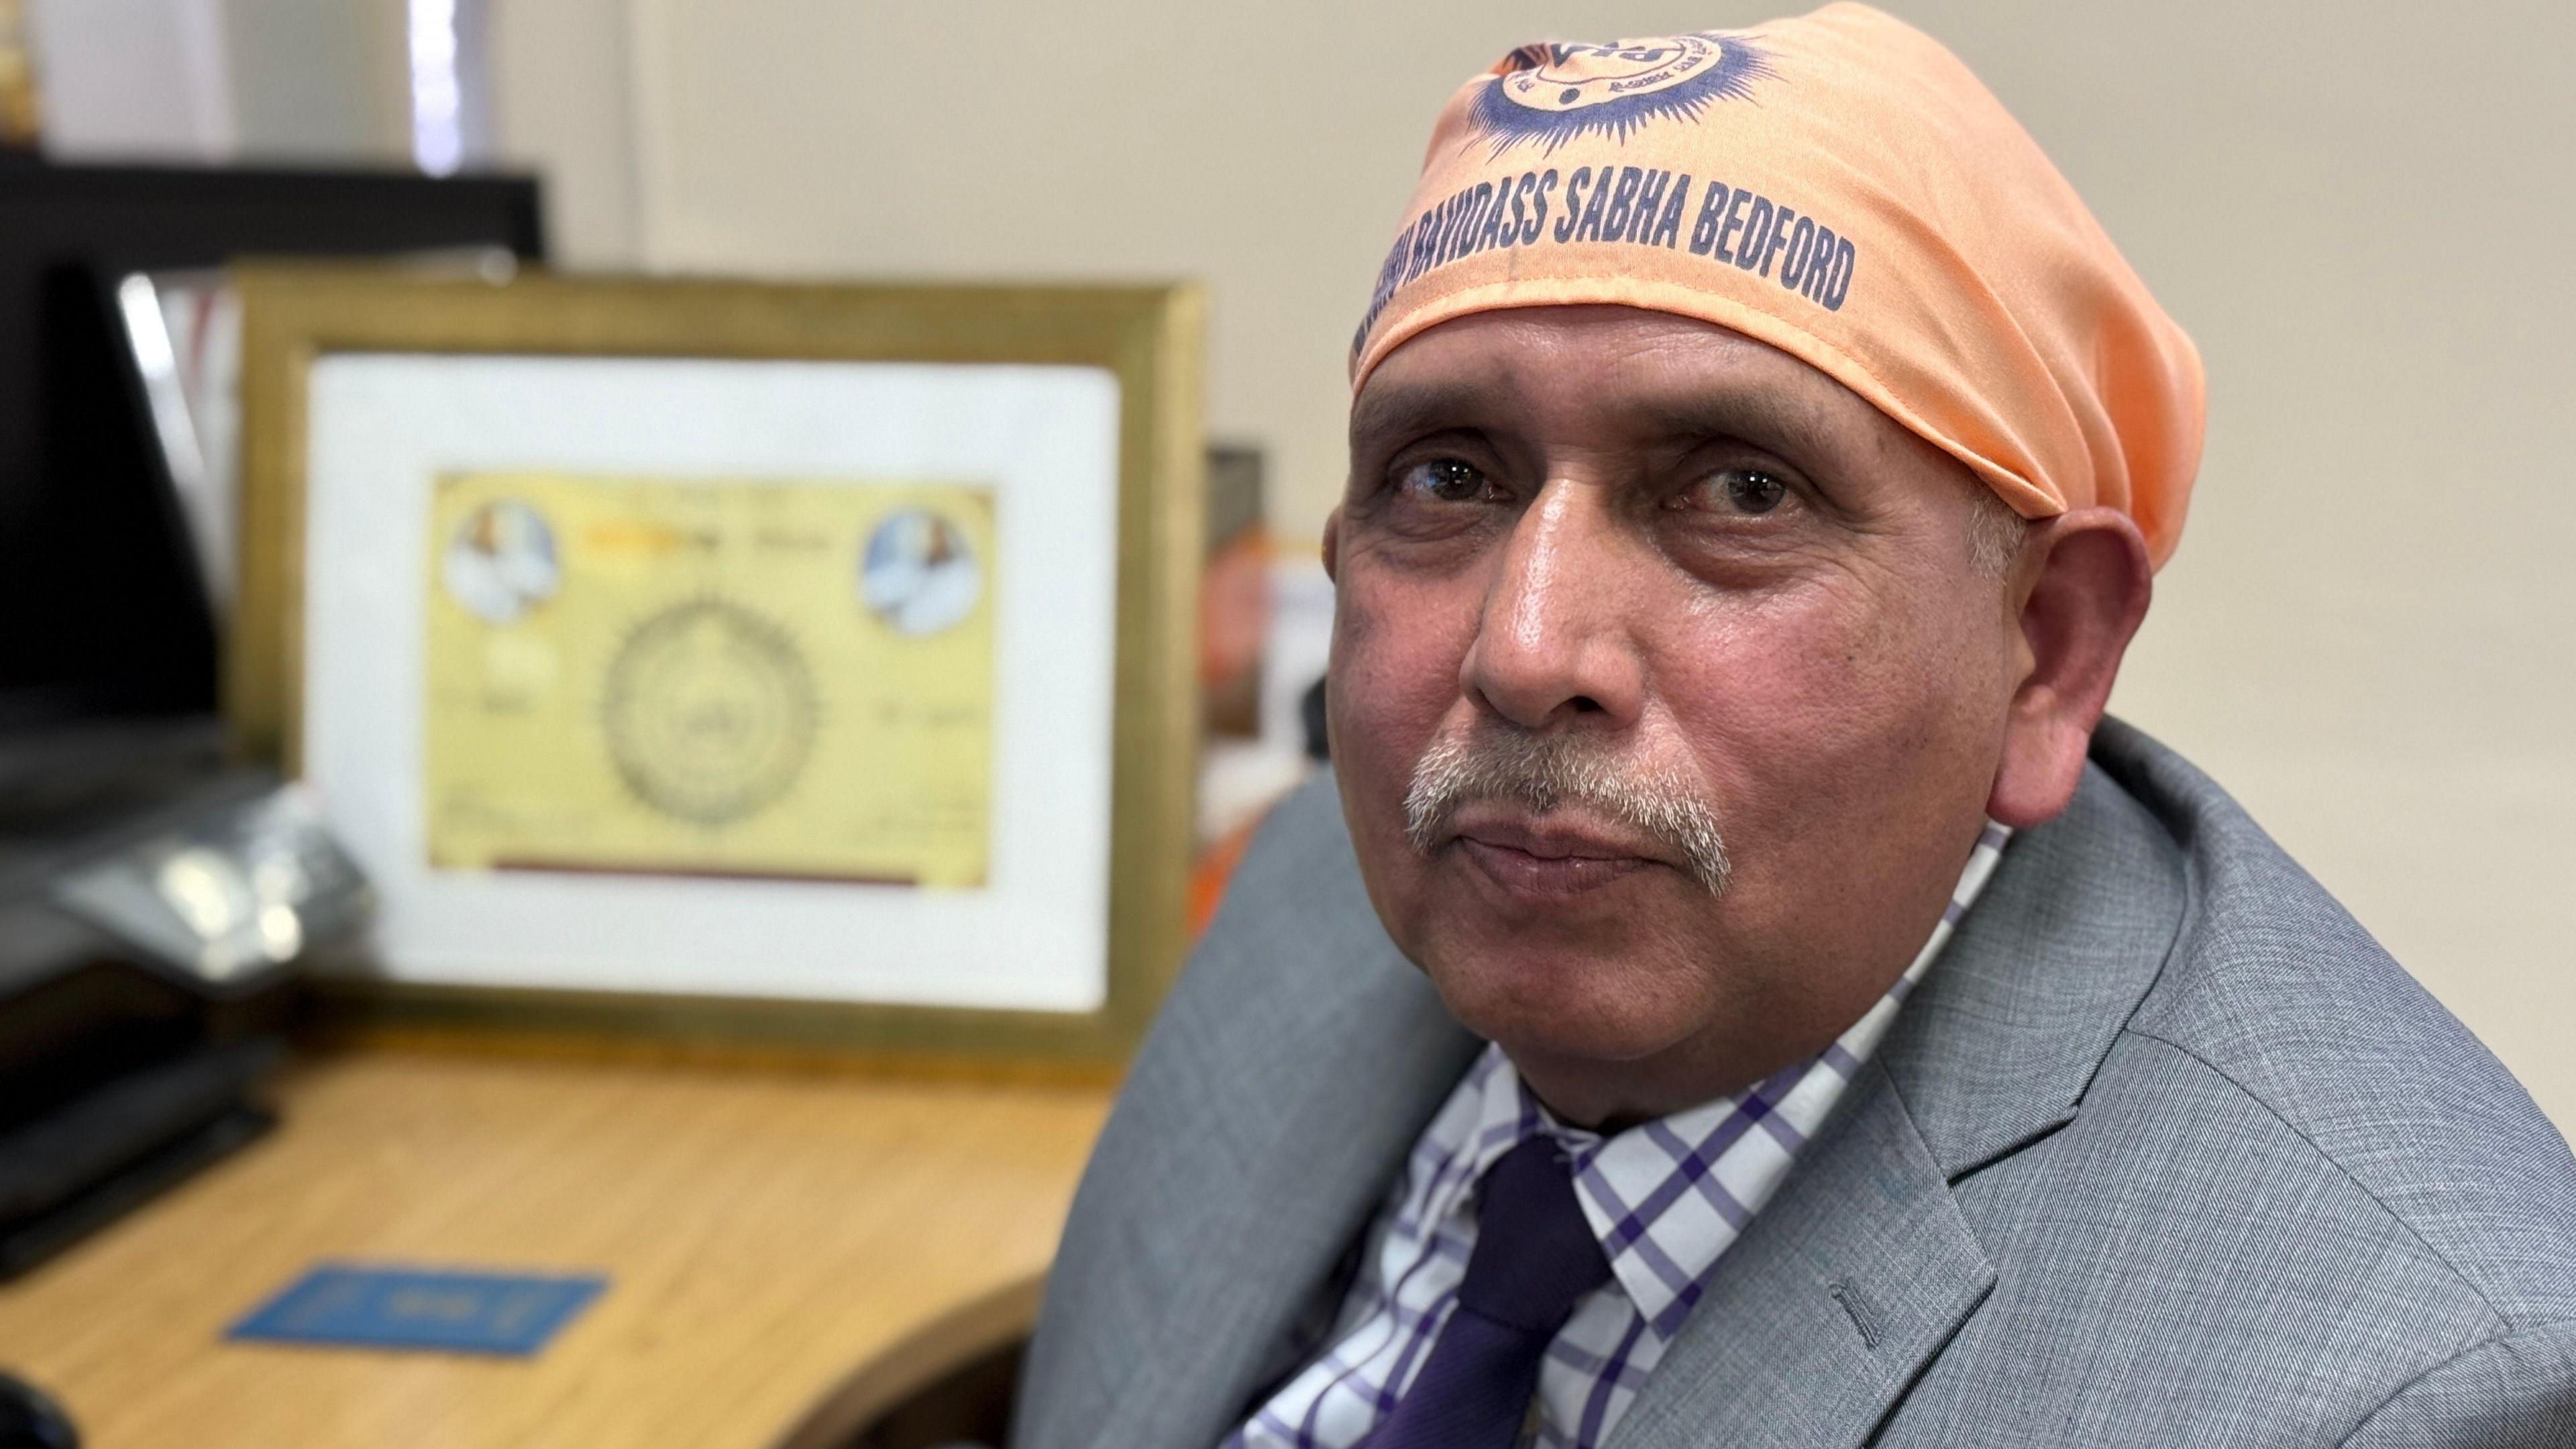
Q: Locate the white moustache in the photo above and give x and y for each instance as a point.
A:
(1545, 771)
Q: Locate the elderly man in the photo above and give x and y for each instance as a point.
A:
(1725, 1005)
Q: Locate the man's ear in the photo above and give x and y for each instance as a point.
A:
(1332, 541)
(2086, 582)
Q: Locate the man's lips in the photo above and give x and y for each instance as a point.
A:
(1551, 855)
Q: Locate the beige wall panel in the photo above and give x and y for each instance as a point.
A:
(2361, 211)
(562, 106)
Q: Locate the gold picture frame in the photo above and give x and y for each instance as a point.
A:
(1147, 337)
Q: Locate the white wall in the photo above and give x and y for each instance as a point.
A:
(2361, 211)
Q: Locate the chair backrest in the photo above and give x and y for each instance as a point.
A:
(948, 1382)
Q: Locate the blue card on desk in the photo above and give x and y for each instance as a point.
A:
(443, 1311)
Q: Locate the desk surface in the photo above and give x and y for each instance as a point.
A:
(763, 1234)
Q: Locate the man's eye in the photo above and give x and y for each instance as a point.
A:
(1445, 480)
(1738, 490)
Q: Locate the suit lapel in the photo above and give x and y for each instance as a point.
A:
(1830, 1304)
(1996, 1050)
(1853, 1277)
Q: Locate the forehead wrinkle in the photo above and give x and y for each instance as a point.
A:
(1759, 416)
(1652, 378)
(1414, 407)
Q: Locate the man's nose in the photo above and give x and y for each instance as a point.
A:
(1557, 638)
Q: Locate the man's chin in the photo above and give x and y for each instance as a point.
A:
(1555, 1006)
(1600, 969)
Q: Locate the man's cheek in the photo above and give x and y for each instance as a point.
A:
(1782, 722)
(1357, 697)
(1821, 743)
(1397, 649)
(1376, 741)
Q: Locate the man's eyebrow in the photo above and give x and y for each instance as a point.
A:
(1421, 407)
(1764, 419)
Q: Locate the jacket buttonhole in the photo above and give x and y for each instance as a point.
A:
(1863, 1313)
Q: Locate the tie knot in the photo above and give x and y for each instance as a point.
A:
(1535, 1255)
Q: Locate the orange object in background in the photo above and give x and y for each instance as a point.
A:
(1234, 618)
(1234, 593)
(1213, 870)
(1234, 623)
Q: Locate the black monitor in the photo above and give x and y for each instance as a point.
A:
(103, 614)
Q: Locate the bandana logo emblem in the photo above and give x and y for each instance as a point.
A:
(1552, 93)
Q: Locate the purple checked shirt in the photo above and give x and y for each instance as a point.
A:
(1666, 1199)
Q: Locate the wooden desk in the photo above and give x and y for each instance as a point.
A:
(763, 1233)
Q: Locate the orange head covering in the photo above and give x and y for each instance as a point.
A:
(1840, 187)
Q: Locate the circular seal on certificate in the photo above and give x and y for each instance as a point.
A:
(710, 712)
(918, 573)
(501, 562)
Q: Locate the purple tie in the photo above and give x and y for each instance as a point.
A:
(1534, 1258)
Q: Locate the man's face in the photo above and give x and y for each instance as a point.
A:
(1678, 647)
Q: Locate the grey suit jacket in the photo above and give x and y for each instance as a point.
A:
(2166, 1151)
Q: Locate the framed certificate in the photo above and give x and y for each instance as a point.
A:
(808, 666)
